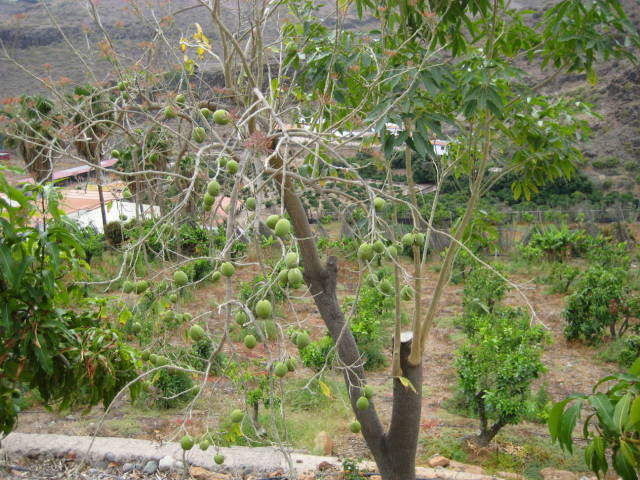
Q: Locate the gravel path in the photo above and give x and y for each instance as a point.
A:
(57, 457)
(238, 460)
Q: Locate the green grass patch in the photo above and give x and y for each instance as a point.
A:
(516, 450)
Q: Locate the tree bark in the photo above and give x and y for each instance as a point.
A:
(486, 434)
(395, 451)
(402, 438)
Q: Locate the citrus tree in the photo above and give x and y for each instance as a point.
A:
(254, 153)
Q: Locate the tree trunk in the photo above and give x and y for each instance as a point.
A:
(103, 210)
(395, 451)
(486, 434)
(402, 438)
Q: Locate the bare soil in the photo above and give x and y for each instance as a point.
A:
(571, 368)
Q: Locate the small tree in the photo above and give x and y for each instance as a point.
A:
(483, 291)
(601, 301)
(496, 366)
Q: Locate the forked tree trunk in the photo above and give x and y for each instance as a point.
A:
(395, 450)
(486, 433)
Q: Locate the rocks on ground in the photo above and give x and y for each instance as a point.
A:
(554, 474)
(200, 473)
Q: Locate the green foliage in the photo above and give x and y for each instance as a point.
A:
(612, 425)
(483, 291)
(53, 339)
(346, 246)
(538, 405)
(371, 317)
(561, 277)
(93, 243)
(194, 239)
(260, 288)
(555, 244)
(605, 163)
(600, 301)
(623, 351)
(197, 270)
(175, 388)
(114, 232)
(608, 254)
(497, 363)
(318, 354)
(308, 395)
(350, 469)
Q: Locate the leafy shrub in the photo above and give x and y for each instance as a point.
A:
(53, 339)
(194, 239)
(238, 248)
(114, 233)
(198, 354)
(175, 388)
(198, 269)
(318, 354)
(555, 244)
(482, 291)
(608, 254)
(305, 395)
(92, 242)
(623, 351)
(561, 277)
(630, 350)
(612, 424)
(609, 162)
(600, 301)
(371, 316)
(496, 365)
(538, 405)
(258, 289)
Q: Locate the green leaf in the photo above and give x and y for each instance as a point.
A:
(567, 424)
(621, 412)
(555, 416)
(634, 414)
(604, 409)
(595, 455)
(629, 452)
(635, 367)
(623, 467)
(124, 316)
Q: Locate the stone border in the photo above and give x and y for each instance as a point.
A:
(239, 461)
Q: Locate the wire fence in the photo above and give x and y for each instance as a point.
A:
(517, 225)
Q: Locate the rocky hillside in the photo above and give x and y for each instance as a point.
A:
(28, 31)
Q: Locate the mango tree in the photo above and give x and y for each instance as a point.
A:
(276, 130)
(54, 339)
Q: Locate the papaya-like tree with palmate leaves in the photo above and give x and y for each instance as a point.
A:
(434, 68)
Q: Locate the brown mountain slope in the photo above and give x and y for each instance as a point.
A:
(29, 33)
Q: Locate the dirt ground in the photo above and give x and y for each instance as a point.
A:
(571, 368)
